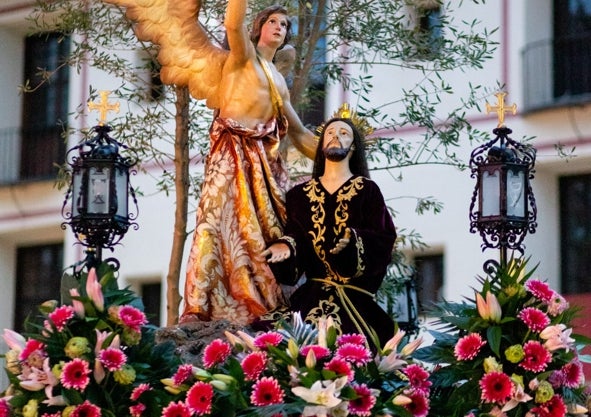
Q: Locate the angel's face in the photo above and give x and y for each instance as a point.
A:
(274, 29)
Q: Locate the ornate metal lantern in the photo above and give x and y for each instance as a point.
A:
(100, 188)
(407, 307)
(503, 206)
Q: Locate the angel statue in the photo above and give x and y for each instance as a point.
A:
(242, 206)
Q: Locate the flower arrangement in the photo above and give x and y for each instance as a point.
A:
(508, 352)
(94, 355)
(301, 370)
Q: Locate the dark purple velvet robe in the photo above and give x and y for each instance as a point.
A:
(316, 220)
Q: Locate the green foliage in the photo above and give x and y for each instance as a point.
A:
(95, 318)
(517, 330)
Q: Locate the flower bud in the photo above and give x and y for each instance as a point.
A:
(544, 392)
(409, 348)
(77, 347)
(31, 409)
(125, 375)
(292, 349)
(48, 306)
(491, 365)
(220, 385)
(95, 290)
(12, 362)
(200, 373)
(228, 379)
(311, 359)
(401, 400)
(515, 353)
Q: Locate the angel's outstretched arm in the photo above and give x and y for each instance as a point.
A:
(236, 31)
(302, 138)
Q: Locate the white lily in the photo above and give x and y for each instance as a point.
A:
(391, 362)
(324, 393)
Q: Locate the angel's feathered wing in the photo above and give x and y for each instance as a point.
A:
(186, 54)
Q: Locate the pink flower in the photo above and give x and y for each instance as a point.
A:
(573, 374)
(536, 320)
(356, 354)
(536, 357)
(496, 387)
(14, 340)
(340, 367)
(555, 407)
(113, 359)
(32, 347)
(354, 338)
(178, 409)
(199, 398)
(557, 337)
(132, 318)
(138, 391)
(95, 290)
(4, 408)
(60, 316)
(86, 409)
(418, 378)
(137, 410)
(540, 290)
(269, 338)
(266, 391)
(319, 351)
(419, 404)
(216, 352)
(75, 374)
(364, 401)
(468, 347)
(557, 305)
(183, 373)
(254, 364)
(489, 309)
(77, 304)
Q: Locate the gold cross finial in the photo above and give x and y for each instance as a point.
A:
(500, 108)
(103, 106)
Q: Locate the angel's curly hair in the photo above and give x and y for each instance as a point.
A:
(261, 18)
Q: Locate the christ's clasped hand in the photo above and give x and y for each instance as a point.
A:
(342, 243)
(277, 252)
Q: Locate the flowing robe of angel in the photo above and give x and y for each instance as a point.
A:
(242, 202)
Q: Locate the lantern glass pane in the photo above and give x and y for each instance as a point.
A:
(98, 190)
(121, 180)
(490, 193)
(516, 193)
(77, 201)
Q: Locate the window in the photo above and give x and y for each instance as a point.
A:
(572, 47)
(38, 279)
(429, 34)
(575, 233)
(46, 108)
(151, 293)
(429, 272)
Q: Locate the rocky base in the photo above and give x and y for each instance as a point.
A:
(191, 338)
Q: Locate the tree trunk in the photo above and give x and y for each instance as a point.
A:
(181, 164)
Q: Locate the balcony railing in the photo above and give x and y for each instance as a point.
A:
(29, 154)
(557, 72)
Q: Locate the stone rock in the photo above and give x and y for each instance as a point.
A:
(191, 338)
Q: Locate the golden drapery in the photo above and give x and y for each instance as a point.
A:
(241, 210)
